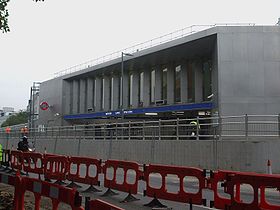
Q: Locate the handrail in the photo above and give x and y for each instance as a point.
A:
(145, 45)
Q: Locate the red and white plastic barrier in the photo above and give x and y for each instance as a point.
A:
(181, 173)
(16, 160)
(258, 182)
(91, 177)
(33, 163)
(127, 167)
(55, 167)
(56, 193)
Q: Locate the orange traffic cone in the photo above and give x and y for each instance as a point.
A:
(269, 168)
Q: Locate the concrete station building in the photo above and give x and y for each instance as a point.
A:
(222, 70)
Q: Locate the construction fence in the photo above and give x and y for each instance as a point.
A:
(229, 127)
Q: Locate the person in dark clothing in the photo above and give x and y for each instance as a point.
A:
(23, 145)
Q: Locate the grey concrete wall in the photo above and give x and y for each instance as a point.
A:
(51, 92)
(249, 70)
(230, 155)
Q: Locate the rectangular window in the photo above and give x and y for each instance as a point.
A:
(164, 84)
(94, 93)
(102, 93)
(153, 86)
(120, 92)
(177, 84)
(207, 80)
(71, 97)
(112, 94)
(130, 89)
(190, 76)
(141, 88)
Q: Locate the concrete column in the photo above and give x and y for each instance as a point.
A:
(147, 81)
(197, 66)
(158, 83)
(170, 84)
(82, 96)
(67, 97)
(125, 90)
(97, 92)
(90, 89)
(116, 92)
(76, 97)
(135, 90)
(184, 83)
(107, 81)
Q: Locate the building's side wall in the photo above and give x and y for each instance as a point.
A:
(51, 92)
(249, 70)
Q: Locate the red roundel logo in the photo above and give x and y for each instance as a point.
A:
(44, 105)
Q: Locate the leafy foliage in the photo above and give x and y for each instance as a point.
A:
(4, 14)
(19, 118)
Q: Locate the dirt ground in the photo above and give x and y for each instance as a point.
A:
(6, 200)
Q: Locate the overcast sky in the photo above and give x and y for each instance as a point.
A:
(47, 37)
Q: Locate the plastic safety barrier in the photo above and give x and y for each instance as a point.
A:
(56, 193)
(217, 178)
(102, 205)
(126, 186)
(33, 163)
(181, 173)
(258, 182)
(13, 181)
(55, 167)
(91, 177)
(16, 160)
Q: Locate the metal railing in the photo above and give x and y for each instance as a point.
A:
(230, 127)
(145, 45)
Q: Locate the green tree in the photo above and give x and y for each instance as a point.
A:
(4, 14)
(19, 118)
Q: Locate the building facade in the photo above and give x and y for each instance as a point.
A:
(224, 70)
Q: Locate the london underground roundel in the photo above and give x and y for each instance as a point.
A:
(44, 105)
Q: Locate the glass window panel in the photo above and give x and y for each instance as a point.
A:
(164, 84)
(177, 84)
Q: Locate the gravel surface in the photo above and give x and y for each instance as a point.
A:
(7, 195)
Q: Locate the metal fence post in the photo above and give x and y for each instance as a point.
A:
(246, 126)
(197, 128)
(177, 129)
(159, 130)
(220, 123)
(143, 129)
(279, 125)
(128, 130)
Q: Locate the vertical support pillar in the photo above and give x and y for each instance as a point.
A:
(147, 85)
(82, 95)
(97, 93)
(170, 84)
(158, 83)
(184, 83)
(197, 66)
(75, 96)
(89, 93)
(135, 90)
